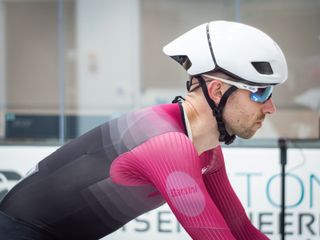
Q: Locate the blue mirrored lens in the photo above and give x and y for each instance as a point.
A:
(262, 95)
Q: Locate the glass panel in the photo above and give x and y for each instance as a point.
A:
(113, 61)
(30, 75)
(3, 98)
(294, 24)
(107, 56)
(161, 22)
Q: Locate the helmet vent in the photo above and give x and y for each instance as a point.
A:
(183, 60)
(263, 67)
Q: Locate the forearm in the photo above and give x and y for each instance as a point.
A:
(176, 174)
(224, 197)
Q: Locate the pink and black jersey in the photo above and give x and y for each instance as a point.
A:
(98, 182)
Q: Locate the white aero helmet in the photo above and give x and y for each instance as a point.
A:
(241, 51)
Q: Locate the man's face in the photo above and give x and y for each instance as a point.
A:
(242, 116)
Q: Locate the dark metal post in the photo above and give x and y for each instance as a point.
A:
(283, 161)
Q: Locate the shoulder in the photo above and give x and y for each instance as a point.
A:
(169, 143)
(138, 127)
(164, 152)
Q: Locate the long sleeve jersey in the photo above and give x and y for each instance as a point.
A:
(98, 182)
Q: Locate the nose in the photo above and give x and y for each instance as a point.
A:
(268, 107)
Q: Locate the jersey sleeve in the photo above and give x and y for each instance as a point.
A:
(226, 200)
(171, 163)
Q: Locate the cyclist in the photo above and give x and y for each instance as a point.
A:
(170, 153)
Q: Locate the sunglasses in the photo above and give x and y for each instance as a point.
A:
(259, 94)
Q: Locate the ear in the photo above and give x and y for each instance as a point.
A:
(215, 90)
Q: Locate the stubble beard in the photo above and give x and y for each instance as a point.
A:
(246, 129)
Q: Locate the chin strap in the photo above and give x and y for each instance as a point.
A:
(178, 99)
(217, 110)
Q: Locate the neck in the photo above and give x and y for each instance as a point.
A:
(205, 135)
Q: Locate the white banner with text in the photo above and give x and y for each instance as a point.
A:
(254, 174)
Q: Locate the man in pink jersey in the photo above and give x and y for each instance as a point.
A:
(170, 153)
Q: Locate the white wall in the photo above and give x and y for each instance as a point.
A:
(108, 55)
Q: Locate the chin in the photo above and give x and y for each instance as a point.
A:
(246, 135)
(242, 131)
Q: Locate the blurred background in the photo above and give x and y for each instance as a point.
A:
(67, 66)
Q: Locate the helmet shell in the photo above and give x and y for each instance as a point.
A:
(245, 52)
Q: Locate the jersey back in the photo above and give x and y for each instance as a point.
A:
(70, 193)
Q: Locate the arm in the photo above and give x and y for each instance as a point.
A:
(222, 194)
(172, 165)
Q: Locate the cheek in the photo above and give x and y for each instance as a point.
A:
(237, 114)
(240, 109)
(239, 118)
(233, 108)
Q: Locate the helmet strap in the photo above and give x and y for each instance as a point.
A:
(218, 110)
(178, 99)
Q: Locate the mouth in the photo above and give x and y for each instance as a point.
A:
(259, 123)
(261, 120)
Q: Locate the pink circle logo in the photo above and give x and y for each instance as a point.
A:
(185, 194)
